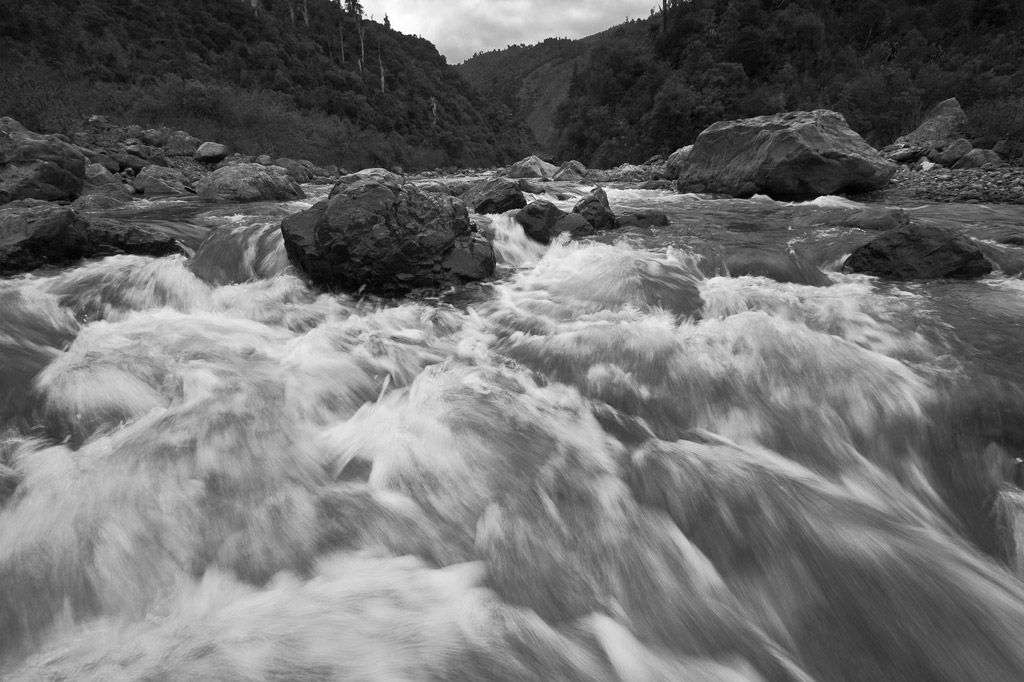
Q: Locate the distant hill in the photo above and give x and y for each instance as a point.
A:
(650, 86)
(303, 78)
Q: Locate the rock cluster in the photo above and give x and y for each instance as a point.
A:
(989, 185)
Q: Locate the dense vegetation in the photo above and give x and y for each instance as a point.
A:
(304, 78)
(650, 86)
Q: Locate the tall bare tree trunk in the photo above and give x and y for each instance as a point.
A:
(305, 12)
(380, 63)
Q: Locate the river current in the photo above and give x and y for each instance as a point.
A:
(613, 462)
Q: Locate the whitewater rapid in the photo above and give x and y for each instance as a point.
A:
(614, 462)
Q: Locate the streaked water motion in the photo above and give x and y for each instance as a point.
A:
(621, 460)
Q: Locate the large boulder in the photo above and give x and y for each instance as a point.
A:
(570, 171)
(792, 156)
(211, 152)
(948, 153)
(494, 196)
(594, 208)
(532, 167)
(156, 181)
(919, 251)
(249, 182)
(978, 158)
(99, 180)
(539, 219)
(32, 236)
(300, 171)
(388, 237)
(945, 122)
(34, 166)
(677, 161)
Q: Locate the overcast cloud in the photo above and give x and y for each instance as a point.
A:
(460, 28)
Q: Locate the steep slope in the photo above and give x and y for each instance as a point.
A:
(294, 77)
(649, 86)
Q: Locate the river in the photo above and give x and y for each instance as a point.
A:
(613, 462)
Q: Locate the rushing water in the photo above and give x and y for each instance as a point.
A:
(615, 462)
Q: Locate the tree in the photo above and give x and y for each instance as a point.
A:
(387, 22)
(354, 7)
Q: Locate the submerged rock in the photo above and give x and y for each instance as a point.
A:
(249, 182)
(792, 156)
(776, 264)
(34, 166)
(494, 196)
(920, 251)
(388, 237)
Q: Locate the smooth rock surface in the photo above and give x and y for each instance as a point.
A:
(570, 171)
(919, 251)
(249, 182)
(793, 156)
(211, 152)
(532, 167)
(977, 158)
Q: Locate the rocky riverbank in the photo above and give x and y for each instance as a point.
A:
(1001, 185)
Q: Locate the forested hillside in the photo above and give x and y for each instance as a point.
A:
(305, 78)
(652, 85)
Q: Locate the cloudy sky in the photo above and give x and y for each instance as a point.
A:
(460, 28)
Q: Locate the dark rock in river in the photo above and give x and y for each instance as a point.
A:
(595, 210)
(793, 156)
(920, 251)
(532, 167)
(494, 196)
(34, 166)
(36, 235)
(538, 219)
(387, 237)
(249, 182)
(641, 217)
